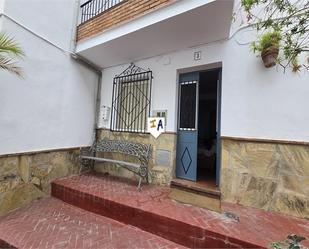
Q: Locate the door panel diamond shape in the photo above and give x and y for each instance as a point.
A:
(186, 160)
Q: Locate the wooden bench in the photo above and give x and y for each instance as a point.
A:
(138, 150)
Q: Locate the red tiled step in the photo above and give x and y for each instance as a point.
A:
(51, 223)
(6, 245)
(153, 211)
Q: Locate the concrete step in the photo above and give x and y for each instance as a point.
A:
(198, 200)
(153, 211)
(191, 193)
(197, 187)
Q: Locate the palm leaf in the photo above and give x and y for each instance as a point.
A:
(10, 66)
(9, 46)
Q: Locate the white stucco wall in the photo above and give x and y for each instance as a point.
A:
(1, 6)
(1, 11)
(54, 105)
(256, 102)
(54, 20)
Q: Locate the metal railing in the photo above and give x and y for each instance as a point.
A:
(93, 8)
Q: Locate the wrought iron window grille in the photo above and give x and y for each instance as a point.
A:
(131, 100)
(93, 8)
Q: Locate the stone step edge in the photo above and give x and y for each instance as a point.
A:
(196, 190)
(174, 230)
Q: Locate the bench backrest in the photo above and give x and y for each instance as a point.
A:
(139, 150)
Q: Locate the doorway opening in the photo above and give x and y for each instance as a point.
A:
(198, 138)
(208, 118)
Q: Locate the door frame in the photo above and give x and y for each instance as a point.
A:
(200, 69)
(218, 123)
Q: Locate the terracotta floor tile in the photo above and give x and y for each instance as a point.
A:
(51, 223)
(256, 226)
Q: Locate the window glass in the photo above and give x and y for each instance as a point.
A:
(187, 105)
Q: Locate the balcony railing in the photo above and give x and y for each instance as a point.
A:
(93, 8)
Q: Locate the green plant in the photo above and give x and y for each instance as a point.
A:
(266, 41)
(9, 52)
(292, 242)
(289, 18)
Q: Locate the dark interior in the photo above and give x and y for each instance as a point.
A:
(207, 135)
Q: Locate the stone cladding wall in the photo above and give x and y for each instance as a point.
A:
(26, 177)
(269, 175)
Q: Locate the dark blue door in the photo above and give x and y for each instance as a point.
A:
(186, 159)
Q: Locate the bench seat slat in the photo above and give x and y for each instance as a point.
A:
(100, 159)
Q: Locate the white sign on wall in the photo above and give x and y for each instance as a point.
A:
(156, 126)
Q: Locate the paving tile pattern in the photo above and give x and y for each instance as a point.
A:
(51, 223)
(152, 210)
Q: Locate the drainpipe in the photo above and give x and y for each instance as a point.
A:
(82, 60)
(75, 23)
(88, 64)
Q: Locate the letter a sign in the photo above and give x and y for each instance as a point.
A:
(156, 126)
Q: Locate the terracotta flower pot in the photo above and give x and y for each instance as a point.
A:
(269, 56)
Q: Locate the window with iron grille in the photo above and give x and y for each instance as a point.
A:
(131, 100)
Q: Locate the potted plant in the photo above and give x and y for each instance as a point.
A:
(293, 241)
(268, 46)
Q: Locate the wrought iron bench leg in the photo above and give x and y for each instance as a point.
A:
(139, 183)
(80, 169)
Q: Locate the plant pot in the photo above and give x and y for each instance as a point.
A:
(270, 56)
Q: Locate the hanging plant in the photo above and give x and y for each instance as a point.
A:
(268, 47)
(284, 22)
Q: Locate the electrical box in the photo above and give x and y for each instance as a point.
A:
(105, 110)
(160, 114)
(104, 116)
